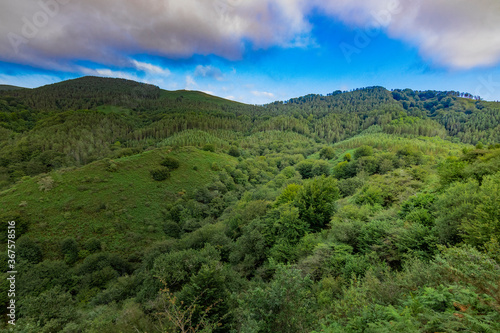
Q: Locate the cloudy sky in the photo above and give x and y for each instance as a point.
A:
(256, 51)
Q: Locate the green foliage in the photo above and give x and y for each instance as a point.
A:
(160, 174)
(349, 186)
(362, 249)
(170, 163)
(453, 208)
(327, 153)
(50, 311)
(363, 151)
(29, 250)
(234, 151)
(172, 229)
(93, 245)
(69, 250)
(287, 304)
(209, 147)
(484, 224)
(316, 201)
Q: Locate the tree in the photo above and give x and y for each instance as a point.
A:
(483, 224)
(234, 151)
(69, 249)
(287, 304)
(316, 201)
(29, 250)
(327, 153)
(363, 151)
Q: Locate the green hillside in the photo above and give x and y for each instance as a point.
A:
(4, 87)
(144, 210)
(114, 200)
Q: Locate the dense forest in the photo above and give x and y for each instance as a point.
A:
(144, 210)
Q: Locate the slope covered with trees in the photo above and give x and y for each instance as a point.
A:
(156, 211)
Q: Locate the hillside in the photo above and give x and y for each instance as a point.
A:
(362, 211)
(4, 87)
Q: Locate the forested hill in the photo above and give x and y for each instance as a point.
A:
(4, 87)
(143, 210)
(75, 122)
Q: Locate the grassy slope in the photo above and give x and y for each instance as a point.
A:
(122, 208)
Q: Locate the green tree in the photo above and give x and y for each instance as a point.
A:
(69, 249)
(287, 304)
(29, 250)
(316, 201)
(483, 224)
(363, 151)
(327, 153)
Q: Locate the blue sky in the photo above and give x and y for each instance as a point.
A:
(256, 51)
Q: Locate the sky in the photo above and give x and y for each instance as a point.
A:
(256, 51)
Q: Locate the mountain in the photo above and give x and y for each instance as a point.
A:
(127, 208)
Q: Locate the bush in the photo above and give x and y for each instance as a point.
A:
(93, 245)
(327, 153)
(29, 250)
(69, 249)
(160, 174)
(170, 163)
(316, 201)
(305, 169)
(349, 186)
(234, 151)
(209, 147)
(363, 151)
(172, 229)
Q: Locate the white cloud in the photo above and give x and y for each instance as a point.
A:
(149, 68)
(190, 82)
(208, 71)
(457, 34)
(262, 94)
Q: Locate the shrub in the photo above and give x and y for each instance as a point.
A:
(363, 151)
(209, 147)
(349, 186)
(172, 229)
(69, 249)
(29, 250)
(305, 169)
(46, 184)
(93, 245)
(327, 153)
(160, 174)
(170, 163)
(234, 151)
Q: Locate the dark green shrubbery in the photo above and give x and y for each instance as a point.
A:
(29, 250)
(170, 163)
(160, 174)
